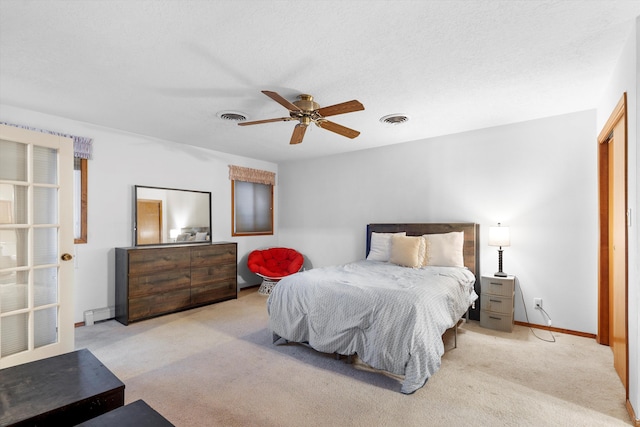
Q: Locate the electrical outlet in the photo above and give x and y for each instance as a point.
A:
(537, 303)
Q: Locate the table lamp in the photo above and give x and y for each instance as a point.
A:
(499, 236)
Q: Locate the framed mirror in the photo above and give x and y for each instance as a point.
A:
(169, 216)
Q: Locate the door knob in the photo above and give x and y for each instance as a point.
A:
(66, 257)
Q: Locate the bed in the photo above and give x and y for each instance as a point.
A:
(194, 234)
(389, 309)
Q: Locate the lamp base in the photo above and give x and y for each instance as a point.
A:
(500, 274)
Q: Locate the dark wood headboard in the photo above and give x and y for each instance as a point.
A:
(471, 248)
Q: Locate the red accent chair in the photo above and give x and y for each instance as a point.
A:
(273, 264)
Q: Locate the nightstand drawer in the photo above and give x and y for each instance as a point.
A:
(502, 286)
(497, 304)
(497, 321)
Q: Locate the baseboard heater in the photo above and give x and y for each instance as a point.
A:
(98, 315)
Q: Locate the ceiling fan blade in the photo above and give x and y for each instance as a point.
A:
(345, 107)
(259, 122)
(298, 133)
(339, 129)
(280, 100)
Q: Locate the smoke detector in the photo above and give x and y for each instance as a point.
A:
(394, 119)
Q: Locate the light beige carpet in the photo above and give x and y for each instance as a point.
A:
(217, 366)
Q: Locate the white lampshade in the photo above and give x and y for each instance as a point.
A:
(173, 233)
(499, 236)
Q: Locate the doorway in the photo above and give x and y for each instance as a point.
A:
(613, 247)
(149, 222)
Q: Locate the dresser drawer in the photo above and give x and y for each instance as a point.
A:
(158, 283)
(501, 286)
(153, 305)
(497, 321)
(214, 291)
(150, 261)
(496, 304)
(217, 273)
(213, 254)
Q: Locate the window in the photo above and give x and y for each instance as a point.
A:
(251, 201)
(252, 208)
(80, 200)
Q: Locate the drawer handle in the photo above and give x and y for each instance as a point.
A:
(494, 300)
(495, 318)
(497, 284)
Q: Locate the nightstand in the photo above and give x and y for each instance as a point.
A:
(496, 302)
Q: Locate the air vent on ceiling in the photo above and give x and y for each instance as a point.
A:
(394, 119)
(232, 116)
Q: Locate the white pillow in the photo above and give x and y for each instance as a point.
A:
(422, 252)
(445, 250)
(201, 236)
(406, 251)
(380, 248)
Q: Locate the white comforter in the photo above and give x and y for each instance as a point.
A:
(393, 317)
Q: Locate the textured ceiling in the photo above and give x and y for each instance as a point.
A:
(165, 68)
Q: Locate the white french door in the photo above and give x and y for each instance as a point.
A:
(36, 243)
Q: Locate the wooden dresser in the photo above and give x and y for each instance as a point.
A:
(152, 281)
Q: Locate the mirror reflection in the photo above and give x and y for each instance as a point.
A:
(171, 216)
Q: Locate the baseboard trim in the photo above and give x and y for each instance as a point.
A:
(635, 421)
(553, 329)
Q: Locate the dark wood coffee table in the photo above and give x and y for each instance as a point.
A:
(136, 414)
(63, 390)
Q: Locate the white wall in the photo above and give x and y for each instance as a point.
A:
(538, 177)
(122, 160)
(625, 77)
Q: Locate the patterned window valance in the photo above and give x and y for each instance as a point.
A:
(81, 144)
(238, 173)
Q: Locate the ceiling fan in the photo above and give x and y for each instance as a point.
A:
(306, 111)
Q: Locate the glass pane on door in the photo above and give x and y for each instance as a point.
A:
(45, 246)
(45, 326)
(13, 161)
(14, 334)
(45, 205)
(45, 165)
(45, 286)
(13, 291)
(13, 248)
(13, 204)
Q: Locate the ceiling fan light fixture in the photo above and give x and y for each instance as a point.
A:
(232, 116)
(306, 111)
(394, 119)
(306, 103)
